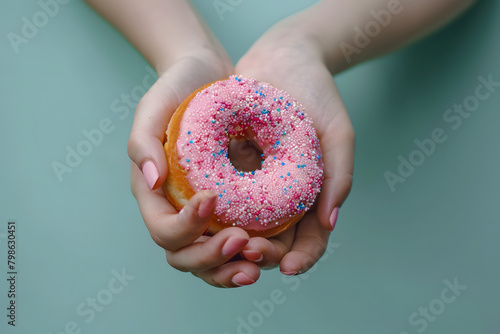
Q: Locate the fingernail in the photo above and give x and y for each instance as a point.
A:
(333, 217)
(253, 255)
(289, 273)
(233, 245)
(240, 279)
(206, 206)
(150, 173)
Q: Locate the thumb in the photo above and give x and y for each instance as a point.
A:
(194, 217)
(153, 113)
(145, 144)
(338, 156)
(173, 232)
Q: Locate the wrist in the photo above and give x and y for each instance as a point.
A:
(282, 42)
(309, 32)
(325, 26)
(211, 53)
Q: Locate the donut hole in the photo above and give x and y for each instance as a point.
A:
(244, 154)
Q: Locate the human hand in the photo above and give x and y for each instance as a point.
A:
(181, 234)
(296, 55)
(286, 57)
(293, 63)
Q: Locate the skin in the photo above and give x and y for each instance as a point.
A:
(298, 54)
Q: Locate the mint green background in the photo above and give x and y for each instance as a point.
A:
(392, 250)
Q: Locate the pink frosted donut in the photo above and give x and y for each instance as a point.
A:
(266, 201)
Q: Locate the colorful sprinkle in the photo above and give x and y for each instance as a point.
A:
(263, 198)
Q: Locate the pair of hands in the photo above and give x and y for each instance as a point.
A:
(230, 258)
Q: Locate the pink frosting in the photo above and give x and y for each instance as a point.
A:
(292, 170)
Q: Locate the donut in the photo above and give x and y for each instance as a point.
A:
(265, 201)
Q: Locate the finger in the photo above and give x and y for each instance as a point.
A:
(145, 144)
(324, 103)
(153, 113)
(267, 253)
(231, 275)
(337, 140)
(310, 243)
(169, 229)
(211, 253)
(338, 156)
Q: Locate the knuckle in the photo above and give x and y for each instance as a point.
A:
(133, 187)
(158, 240)
(171, 260)
(350, 134)
(132, 145)
(347, 133)
(347, 182)
(205, 260)
(140, 104)
(145, 100)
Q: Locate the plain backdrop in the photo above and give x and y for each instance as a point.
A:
(86, 263)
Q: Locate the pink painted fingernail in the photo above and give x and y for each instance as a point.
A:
(233, 245)
(289, 273)
(240, 279)
(253, 255)
(333, 217)
(150, 173)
